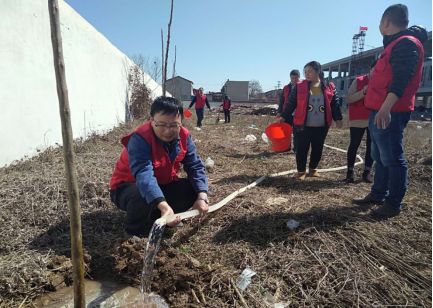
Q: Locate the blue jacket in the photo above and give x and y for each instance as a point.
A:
(140, 163)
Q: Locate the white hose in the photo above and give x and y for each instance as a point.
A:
(217, 206)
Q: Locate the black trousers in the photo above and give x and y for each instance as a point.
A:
(306, 137)
(200, 116)
(139, 215)
(226, 116)
(295, 139)
(356, 135)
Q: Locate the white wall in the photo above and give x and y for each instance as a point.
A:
(96, 74)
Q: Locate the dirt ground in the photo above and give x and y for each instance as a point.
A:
(338, 256)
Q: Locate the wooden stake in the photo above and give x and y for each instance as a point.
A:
(68, 153)
(166, 50)
(162, 64)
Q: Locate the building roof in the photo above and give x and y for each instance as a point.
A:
(234, 81)
(272, 92)
(372, 52)
(181, 78)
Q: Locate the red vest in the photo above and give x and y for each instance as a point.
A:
(381, 78)
(286, 93)
(357, 110)
(226, 104)
(303, 95)
(200, 101)
(164, 170)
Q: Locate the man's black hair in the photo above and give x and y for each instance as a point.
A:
(295, 73)
(166, 105)
(397, 14)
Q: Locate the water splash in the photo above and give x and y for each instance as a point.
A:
(152, 248)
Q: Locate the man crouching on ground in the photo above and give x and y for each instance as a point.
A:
(145, 182)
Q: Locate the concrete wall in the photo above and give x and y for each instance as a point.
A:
(179, 88)
(237, 90)
(96, 74)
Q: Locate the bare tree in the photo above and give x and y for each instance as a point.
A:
(162, 63)
(155, 68)
(254, 88)
(174, 63)
(151, 66)
(166, 51)
(140, 99)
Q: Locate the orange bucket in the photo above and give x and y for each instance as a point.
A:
(186, 113)
(280, 136)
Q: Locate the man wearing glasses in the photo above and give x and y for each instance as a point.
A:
(145, 180)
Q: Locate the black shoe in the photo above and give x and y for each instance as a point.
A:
(366, 177)
(367, 200)
(349, 177)
(386, 211)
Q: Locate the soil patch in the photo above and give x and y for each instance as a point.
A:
(338, 256)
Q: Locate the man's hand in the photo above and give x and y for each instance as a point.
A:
(364, 90)
(166, 210)
(201, 205)
(382, 118)
(339, 124)
(279, 119)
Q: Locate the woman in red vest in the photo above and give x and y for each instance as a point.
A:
(145, 181)
(313, 104)
(358, 123)
(199, 100)
(227, 105)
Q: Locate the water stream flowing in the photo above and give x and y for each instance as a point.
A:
(152, 248)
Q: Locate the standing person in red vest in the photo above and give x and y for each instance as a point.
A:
(358, 123)
(145, 180)
(391, 96)
(199, 100)
(227, 104)
(313, 104)
(284, 98)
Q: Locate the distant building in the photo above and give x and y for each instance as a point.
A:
(236, 90)
(180, 88)
(215, 96)
(343, 71)
(273, 95)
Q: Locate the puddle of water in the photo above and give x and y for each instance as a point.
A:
(103, 295)
(111, 294)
